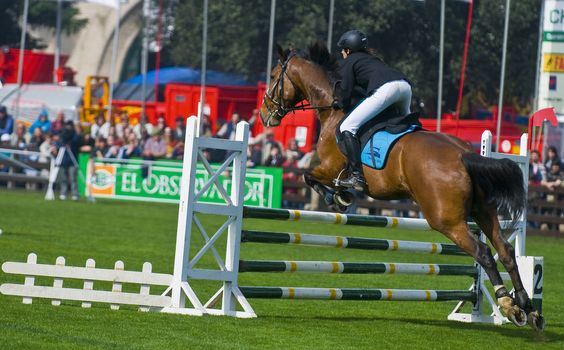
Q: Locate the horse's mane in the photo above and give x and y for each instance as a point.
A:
(318, 53)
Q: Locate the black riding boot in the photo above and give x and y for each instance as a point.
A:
(352, 148)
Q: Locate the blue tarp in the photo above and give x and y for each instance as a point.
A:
(189, 76)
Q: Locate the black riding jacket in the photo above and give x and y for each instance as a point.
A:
(361, 75)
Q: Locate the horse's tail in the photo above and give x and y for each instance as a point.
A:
(501, 181)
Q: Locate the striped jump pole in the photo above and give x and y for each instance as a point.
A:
(339, 219)
(350, 242)
(357, 294)
(334, 218)
(356, 267)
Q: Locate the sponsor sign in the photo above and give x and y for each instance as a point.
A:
(550, 88)
(160, 182)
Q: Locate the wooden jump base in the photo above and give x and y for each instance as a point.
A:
(357, 268)
(350, 242)
(356, 294)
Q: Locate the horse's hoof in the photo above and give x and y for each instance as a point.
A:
(513, 312)
(338, 208)
(343, 199)
(536, 321)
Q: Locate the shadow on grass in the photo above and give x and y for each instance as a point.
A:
(509, 331)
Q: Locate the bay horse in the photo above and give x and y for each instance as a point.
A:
(441, 173)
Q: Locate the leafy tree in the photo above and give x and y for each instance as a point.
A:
(41, 14)
(404, 32)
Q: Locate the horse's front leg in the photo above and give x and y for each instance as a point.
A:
(324, 191)
(321, 179)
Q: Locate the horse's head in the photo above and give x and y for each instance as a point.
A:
(282, 94)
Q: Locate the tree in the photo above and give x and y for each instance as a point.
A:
(404, 32)
(41, 14)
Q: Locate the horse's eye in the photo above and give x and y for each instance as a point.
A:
(272, 77)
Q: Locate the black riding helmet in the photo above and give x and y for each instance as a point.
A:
(353, 40)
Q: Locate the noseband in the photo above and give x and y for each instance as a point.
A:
(277, 99)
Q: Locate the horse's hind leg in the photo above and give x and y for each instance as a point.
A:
(470, 243)
(488, 222)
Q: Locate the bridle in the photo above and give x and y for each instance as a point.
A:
(275, 95)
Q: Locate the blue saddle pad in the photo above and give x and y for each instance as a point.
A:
(375, 152)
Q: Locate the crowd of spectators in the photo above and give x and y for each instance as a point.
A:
(120, 139)
(550, 175)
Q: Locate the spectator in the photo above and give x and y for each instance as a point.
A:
(36, 139)
(179, 131)
(228, 130)
(85, 139)
(290, 176)
(155, 147)
(113, 147)
(100, 148)
(68, 170)
(47, 149)
(4, 142)
(178, 152)
(161, 123)
(42, 122)
(294, 147)
(205, 125)
(169, 141)
(536, 169)
(6, 122)
(19, 138)
(554, 177)
(100, 128)
(143, 124)
(253, 118)
(268, 141)
(254, 155)
(131, 149)
(58, 123)
(275, 157)
(122, 126)
(145, 136)
(551, 158)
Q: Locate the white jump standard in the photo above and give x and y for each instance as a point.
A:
(231, 299)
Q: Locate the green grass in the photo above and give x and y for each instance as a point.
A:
(137, 232)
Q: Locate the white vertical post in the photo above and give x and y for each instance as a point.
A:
(522, 235)
(232, 253)
(185, 215)
(502, 78)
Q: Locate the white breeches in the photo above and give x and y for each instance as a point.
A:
(396, 93)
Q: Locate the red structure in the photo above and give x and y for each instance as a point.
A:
(37, 67)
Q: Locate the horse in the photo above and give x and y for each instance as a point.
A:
(441, 173)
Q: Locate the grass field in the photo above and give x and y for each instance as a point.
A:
(137, 232)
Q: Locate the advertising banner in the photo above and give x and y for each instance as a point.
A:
(551, 81)
(159, 181)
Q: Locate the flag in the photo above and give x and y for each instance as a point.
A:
(544, 114)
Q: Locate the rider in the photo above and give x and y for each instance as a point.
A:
(378, 85)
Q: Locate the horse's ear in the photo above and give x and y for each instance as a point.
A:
(281, 52)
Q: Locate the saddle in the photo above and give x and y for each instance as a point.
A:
(379, 135)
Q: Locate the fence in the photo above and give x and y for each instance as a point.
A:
(24, 167)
